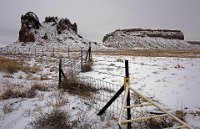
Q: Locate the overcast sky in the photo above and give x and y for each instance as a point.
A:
(95, 18)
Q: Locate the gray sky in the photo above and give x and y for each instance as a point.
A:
(95, 18)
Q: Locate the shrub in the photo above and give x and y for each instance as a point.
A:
(120, 60)
(178, 66)
(28, 69)
(9, 65)
(7, 109)
(37, 86)
(56, 119)
(181, 114)
(20, 77)
(74, 85)
(86, 67)
(159, 123)
(9, 93)
(44, 77)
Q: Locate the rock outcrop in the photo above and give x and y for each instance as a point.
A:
(61, 24)
(29, 22)
(167, 34)
(30, 25)
(138, 38)
(54, 32)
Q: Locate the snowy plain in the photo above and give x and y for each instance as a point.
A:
(171, 82)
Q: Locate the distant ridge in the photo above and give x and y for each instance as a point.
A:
(138, 38)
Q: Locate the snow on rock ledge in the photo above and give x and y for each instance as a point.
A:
(54, 32)
(146, 39)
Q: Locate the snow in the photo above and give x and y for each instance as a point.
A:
(133, 40)
(158, 78)
(155, 77)
(172, 82)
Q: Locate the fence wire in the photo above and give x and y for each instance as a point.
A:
(71, 59)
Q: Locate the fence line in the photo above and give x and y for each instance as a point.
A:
(105, 89)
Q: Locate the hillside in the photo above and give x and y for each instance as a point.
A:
(147, 39)
(54, 32)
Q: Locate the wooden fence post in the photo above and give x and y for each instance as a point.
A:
(68, 52)
(59, 71)
(35, 51)
(81, 59)
(53, 51)
(89, 54)
(42, 51)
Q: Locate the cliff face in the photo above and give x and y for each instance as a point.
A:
(31, 27)
(167, 34)
(53, 32)
(61, 24)
(28, 21)
(138, 38)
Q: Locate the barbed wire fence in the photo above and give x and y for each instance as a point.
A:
(72, 58)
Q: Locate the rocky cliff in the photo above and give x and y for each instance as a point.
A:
(138, 38)
(54, 32)
(30, 26)
(28, 21)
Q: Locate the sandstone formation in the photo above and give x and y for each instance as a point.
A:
(137, 38)
(29, 22)
(30, 26)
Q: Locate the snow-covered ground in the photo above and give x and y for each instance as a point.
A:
(171, 82)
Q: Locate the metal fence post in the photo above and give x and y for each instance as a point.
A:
(128, 97)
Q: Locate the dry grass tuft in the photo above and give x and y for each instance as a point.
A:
(44, 77)
(73, 85)
(159, 123)
(7, 109)
(13, 65)
(28, 69)
(119, 60)
(9, 93)
(56, 119)
(37, 86)
(86, 67)
(182, 53)
(181, 114)
(12, 92)
(178, 66)
(9, 65)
